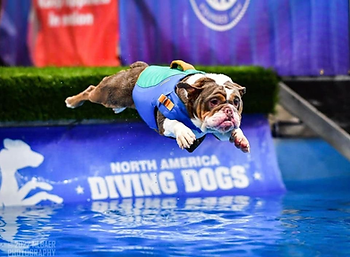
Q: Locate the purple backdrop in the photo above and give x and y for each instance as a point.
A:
(13, 32)
(295, 37)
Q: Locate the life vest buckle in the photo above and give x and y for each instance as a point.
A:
(166, 102)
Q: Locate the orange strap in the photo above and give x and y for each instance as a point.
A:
(166, 102)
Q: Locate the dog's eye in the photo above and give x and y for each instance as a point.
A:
(213, 102)
(236, 101)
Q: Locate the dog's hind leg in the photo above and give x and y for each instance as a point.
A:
(79, 99)
(113, 91)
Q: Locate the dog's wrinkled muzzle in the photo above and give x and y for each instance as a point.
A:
(224, 120)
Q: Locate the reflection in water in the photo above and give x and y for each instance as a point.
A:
(26, 230)
(213, 224)
(302, 223)
(192, 226)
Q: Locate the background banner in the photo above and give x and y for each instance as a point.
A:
(74, 33)
(294, 37)
(13, 32)
(116, 161)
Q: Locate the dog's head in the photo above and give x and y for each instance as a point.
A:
(214, 102)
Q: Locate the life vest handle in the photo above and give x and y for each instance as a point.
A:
(181, 65)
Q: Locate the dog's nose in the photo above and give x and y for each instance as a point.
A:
(228, 111)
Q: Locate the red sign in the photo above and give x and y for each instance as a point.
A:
(74, 33)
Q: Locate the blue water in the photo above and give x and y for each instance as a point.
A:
(311, 219)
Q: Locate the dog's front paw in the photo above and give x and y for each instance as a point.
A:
(240, 141)
(184, 136)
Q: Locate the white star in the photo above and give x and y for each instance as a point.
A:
(80, 190)
(257, 176)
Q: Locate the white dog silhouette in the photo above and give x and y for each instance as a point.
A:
(17, 155)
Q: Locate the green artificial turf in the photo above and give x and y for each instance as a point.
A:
(38, 94)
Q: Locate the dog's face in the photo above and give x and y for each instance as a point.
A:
(213, 101)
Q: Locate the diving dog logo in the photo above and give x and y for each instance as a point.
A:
(220, 15)
(17, 155)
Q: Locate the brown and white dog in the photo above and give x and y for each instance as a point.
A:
(213, 103)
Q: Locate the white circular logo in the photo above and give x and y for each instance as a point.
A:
(220, 15)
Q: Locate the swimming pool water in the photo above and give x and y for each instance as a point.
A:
(311, 219)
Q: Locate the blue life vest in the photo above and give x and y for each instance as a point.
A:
(155, 89)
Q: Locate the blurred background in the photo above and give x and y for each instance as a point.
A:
(294, 37)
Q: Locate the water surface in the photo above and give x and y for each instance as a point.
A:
(311, 219)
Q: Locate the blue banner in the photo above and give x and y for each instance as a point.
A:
(294, 37)
(115, 161)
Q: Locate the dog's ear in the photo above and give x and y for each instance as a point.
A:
(187, 92)
(242, 90)
(200, 83)
(230, 84)
(183, 85)
(197, 86)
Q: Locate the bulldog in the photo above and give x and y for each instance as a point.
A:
(177, 101)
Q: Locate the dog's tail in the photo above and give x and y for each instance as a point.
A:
(139, 64)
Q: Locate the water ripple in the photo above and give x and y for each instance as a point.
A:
(297, 224)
